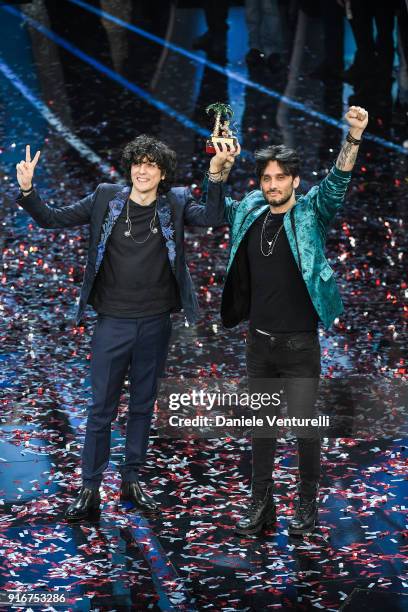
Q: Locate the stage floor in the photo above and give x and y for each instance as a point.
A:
(79, 87)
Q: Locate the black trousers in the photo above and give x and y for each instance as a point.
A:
(291, 362)
(120, 346)
(374, 56)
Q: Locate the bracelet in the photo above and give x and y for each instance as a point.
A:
(27, 190)
(219, 172)
(352, 140)
(212, 179)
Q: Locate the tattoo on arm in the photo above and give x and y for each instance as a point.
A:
(347, 156)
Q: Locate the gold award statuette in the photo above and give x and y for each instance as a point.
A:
(222, 132)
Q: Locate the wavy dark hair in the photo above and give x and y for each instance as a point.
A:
(288, 159)
(148, 147)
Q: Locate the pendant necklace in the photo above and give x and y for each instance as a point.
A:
(153, 229)
(271, 243)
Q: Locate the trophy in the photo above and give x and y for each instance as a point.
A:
(222, 132)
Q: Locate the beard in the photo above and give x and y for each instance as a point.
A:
(277, 201)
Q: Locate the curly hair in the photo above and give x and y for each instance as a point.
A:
(288, 159)
(150, 148)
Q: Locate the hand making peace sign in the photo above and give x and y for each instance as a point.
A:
(25, 170)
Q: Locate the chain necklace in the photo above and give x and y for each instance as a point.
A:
(152, 230)
(271, 243)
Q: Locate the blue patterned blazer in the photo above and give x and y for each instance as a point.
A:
(101, 209)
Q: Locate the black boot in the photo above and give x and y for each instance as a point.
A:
(86, 506)
(305, 518)
(132, 491)
(260, 513)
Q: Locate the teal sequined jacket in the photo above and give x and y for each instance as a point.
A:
(310, 218)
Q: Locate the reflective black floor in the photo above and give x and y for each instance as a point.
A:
(79, 84)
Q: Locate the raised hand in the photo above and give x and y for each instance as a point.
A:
(232, 154)
(25, 170)
(224, 159)
(357, 118)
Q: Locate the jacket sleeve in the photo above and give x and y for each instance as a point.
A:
(229, 206)
(210, 211)
(66, 216)
(230, 209)
(328, 197)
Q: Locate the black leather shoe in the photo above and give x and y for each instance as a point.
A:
(260, 513)
(305, 518)
(86, 506)
(133, 492)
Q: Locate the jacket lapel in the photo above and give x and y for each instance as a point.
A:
(167, 228)
(249, 217)
(289, 227)
(115, 207)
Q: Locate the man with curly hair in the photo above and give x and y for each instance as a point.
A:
(136, 275)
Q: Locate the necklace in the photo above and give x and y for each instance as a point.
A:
(152, 230)
(271, 243)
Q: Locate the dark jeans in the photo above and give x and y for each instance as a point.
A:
(295, 359)
(118, 345)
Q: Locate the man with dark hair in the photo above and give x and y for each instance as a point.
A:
(279, 278)
(136, 275)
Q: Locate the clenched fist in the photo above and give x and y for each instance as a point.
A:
(25, 170)
(357, 118)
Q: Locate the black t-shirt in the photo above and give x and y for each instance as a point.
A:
(280, 301)
(135, 280)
